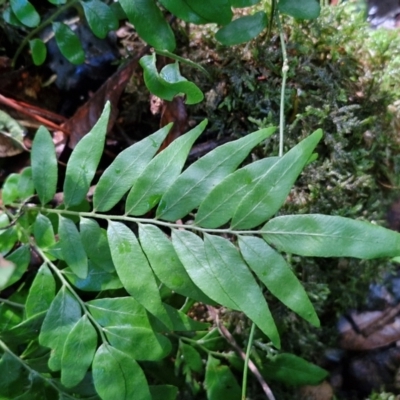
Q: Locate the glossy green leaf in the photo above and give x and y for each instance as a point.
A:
(118, 376)
(134, 271)
(138, 342)
(306, 9)
(267, 194)
(68, 43)
(243, 3)
(169, 82)
(44, 165)
(26, 187)
(242, 29)
(183, 11)
(79, 349)
(100, 17)
(292, 370)
(217, 11)
(62, 316)
(220, 204)
(119, 177)
(25, 12)
(160, 173)
(13, 377)
(38, 50)
(25, 331)
(193, 185)
(118, 311)
(21, 257)
(235, 278)
(43, 232)
(41, 292)
(274, 272)
(71, 247)
(163, 392)
(97, 279)
(165, 263)
(95, 243)
(84, 160)
(220, 382)
(318, 235)
(145, 15)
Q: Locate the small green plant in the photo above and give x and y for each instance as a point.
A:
(99, 313)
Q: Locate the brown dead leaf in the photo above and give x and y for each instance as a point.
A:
(87, 115)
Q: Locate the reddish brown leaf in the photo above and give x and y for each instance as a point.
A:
(87, 115)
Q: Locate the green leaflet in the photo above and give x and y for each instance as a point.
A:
(72, 248)
(292, 370)
(330, 236)
(100, 17)
(191, 357)
(238, 282)
(63, 314)
(138, 342)
(183, 11)
(119, 177)
(163, 392)
(25, 12)
(14, 377)
(267, 194)
(243, 3)
(21, 258)
(41, 292)
(242, 29)
(10, 190)
(128, 379)
(8, 238)
(220, 204)
(169, 83)
(218, 11)
(193, 185)
(181, 322)
(7, 268)
(79, 349)
(68, 43)
(134, 271)
(84, 160)
(219, 271)
(43, 232)
(97, 279)
(44, 165)
(306, 9)
(25, 331)
(145, 16)
(273, 271)
(191, 252)
(95, 243)
(38, 50)
(165, 263)
(220, 381)
(118, 311)
(26, 187)
(160, 173)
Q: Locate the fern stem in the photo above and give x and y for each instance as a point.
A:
(152, 221)
(12, 303)
(285, 69)
(71, 289)
(246, 361)
(33, 372)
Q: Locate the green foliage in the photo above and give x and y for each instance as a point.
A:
(72, 308)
